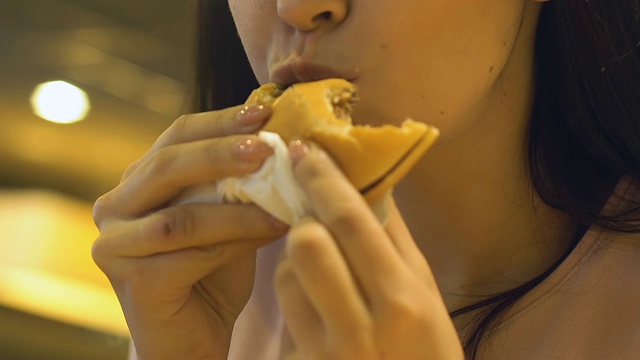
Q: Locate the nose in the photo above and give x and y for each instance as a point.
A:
(308, 15)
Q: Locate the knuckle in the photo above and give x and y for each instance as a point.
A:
(129, 170)
(306, 241)
(309, 172)
(402, 305)
(104, 258)
(100, 207)
(99, 253)
(139, 278)
(175, 132)
(160, 162)
(316, 168)
(182, 122)
(177, 223)
(344, 215)
(402, 308)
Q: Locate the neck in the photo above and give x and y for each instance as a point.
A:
(470, 204)
(481, 227)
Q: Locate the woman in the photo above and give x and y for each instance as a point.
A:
(514, 238)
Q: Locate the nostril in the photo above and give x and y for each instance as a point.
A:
(326, 15)
(308, 15)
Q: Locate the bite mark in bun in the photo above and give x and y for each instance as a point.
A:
(374, 159)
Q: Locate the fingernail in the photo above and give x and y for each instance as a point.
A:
(298, 149)
(252, 149)
(252, 115)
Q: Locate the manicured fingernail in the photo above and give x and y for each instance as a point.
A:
(252, 149)
(298, 149)
(253, 114)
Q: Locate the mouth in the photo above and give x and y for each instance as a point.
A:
(342, 101)
(298, 71)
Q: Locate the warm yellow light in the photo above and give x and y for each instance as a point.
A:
(60, 102)
(46, 267)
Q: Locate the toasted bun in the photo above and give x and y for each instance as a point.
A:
(374, 159)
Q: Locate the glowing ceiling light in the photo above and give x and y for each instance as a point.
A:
(60, 102)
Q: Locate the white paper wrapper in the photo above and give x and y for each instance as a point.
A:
(273, 187)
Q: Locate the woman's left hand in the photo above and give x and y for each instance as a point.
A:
(350, 288)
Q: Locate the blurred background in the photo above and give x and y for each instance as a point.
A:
(118, 74)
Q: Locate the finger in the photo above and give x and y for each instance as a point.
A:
(169, 171)
(185, 226)
(337, 204)
(200, 126)
(293, 355)
(169, 277)
(325, 277)
(287, 347)
(406, 246)
(234, 120)
(301, 318)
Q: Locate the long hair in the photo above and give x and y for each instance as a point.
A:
(584, 131)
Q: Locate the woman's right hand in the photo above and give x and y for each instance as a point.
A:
(184, 272)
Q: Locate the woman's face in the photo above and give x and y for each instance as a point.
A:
(437, 61)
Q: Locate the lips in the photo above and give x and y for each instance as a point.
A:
(299, 71)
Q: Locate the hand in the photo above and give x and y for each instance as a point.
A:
(183, 273)
(351, 289)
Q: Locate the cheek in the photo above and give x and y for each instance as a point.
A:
(451, 72)
(447, 64)
(253, 20)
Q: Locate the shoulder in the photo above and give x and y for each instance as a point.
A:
(588, 311)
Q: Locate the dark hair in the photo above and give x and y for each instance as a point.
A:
(223, 76)
(584, 132)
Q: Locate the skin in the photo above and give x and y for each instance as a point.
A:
(183, 272)
(465, 223)
(469, 203)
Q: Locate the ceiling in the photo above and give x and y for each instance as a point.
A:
(131, 57)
